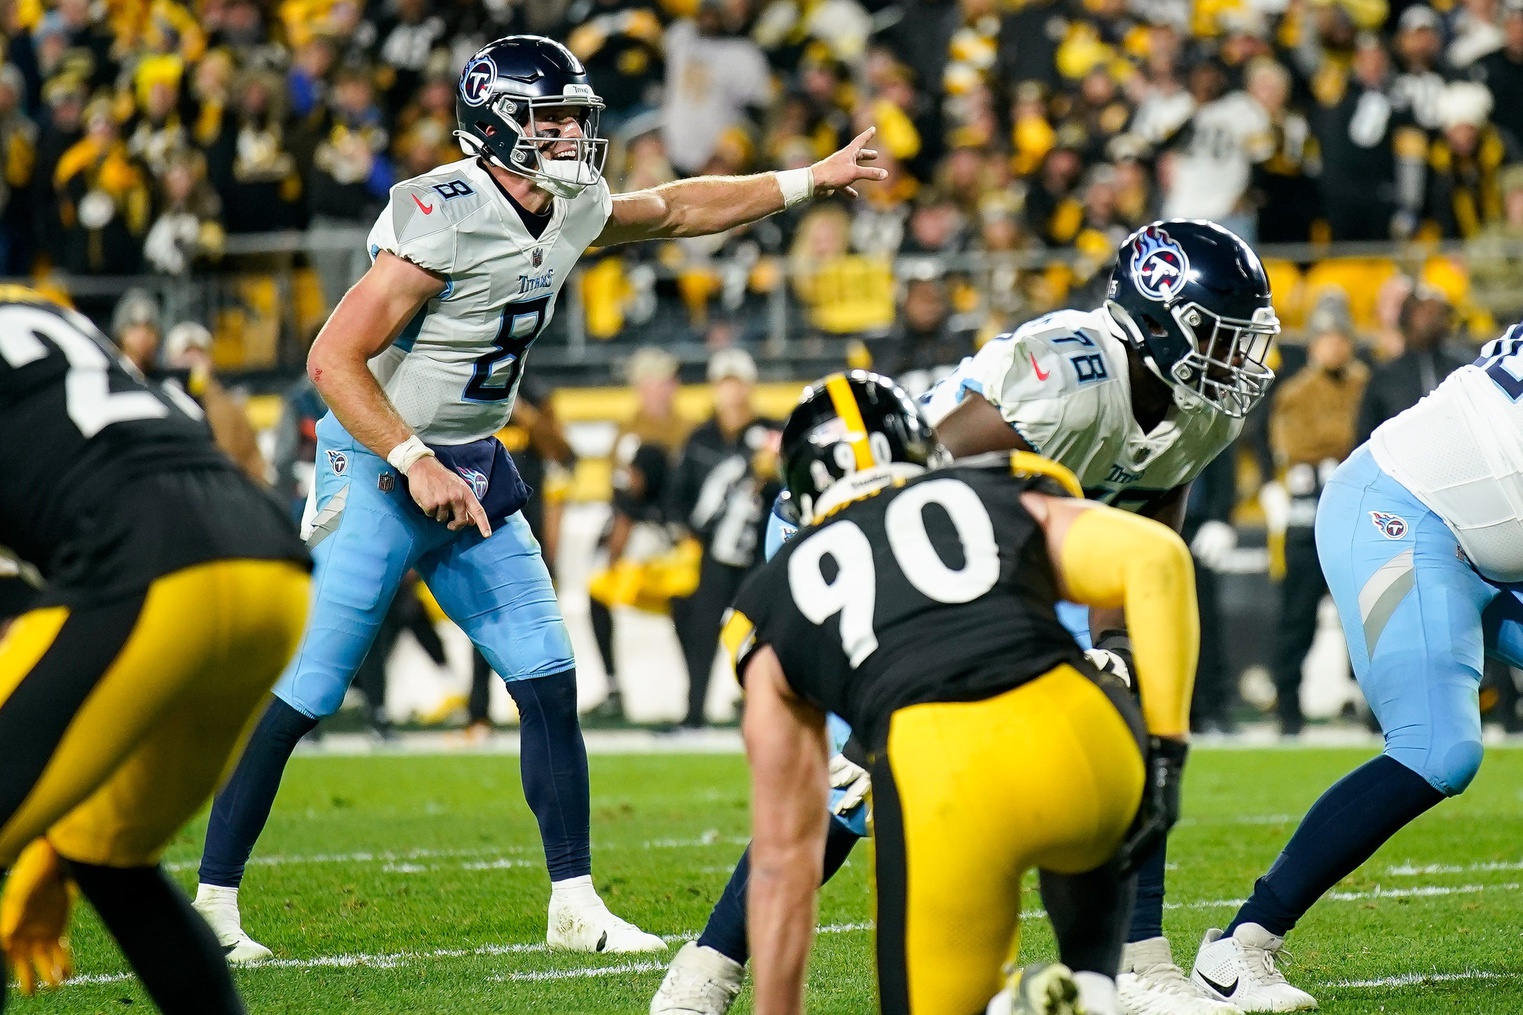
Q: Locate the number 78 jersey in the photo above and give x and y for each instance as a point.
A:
(454, 370)
(939, 589)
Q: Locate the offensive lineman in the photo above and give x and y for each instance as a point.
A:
(1136, 397)
(173, 594)
(419, 365)
(919, 604)
(1420, 535)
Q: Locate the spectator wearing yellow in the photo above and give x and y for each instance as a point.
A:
(103, 199)
(18, 159)
(1464, 162)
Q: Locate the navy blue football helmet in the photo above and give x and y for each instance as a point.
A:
(1193, 299)
(506, 87)
(849, 423)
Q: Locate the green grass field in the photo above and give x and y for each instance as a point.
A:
(415, 884)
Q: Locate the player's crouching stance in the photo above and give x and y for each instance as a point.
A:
(174, 592)
(920, 607)
(1421, 539)
(419, 365)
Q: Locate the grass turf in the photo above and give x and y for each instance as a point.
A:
(415, 884)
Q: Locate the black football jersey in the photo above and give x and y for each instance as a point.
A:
(939, 589)
(80, 432)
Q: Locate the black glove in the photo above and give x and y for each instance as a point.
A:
(1159, 809)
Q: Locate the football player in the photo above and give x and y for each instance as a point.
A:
(1420, 536)
(1135, 397)
(173, 593)
(919, 604)
(419, 366)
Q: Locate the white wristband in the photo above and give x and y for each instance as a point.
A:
(797, 185)
(405, 455)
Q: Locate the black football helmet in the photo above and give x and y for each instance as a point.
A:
(502, 90)
(1193, 299)
(848, 423)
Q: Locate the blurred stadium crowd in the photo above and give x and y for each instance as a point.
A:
(226, 157)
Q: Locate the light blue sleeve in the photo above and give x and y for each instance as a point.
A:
(779, 529)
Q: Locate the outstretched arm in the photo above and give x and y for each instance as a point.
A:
(712, 204)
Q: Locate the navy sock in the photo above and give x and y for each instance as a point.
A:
(1147, 910)
(726, 930)
(173, 950)
(553, 763)
(1341, 831)
(241, 809)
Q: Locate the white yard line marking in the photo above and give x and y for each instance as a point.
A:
(1420, 979)
(1410, 871)
(576, 974)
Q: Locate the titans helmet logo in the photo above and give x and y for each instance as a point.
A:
(477, 81)
(1159, 265)
(476, 478)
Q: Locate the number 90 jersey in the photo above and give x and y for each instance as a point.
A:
(454, 370)
(1063, 384)
(939, 589)
(1460, 452)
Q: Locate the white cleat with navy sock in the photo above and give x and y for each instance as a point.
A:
(700, 981)
(581, 922)
(219, 908)
(1151, 984)
(1242, 967)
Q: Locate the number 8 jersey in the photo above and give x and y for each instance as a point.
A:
(454, 370)
(1460, 451)
(939, 589)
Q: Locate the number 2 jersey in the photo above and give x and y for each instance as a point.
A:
(1460, 451)
(454, 370)
(1063, 384)
(939, 589)
(110, 481)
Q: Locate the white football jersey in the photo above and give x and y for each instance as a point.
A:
(1062, 383)
(455, 369)
(1460, 452)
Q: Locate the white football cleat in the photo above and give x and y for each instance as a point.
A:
(1151, 984)
(1241, 967)
(700, 981)
(1040, 989)
(585, 925)
(219, 908)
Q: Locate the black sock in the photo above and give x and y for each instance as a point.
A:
(241, 809)
(1341, 831)
(553, 764)
(1147, 910)
(1088, 913)
(172, 949)
(726, 930)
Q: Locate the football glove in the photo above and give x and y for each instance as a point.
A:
(1159, 809)
(34, 916)
(1113, 654)
(1212, 543)
(852, 779)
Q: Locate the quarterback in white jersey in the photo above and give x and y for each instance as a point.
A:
(419, 365)
(1420, 536)
(1135, 398)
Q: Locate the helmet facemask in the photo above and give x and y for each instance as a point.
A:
(1225, 366)
(527, 152)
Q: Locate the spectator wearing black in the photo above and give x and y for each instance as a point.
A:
(18, 150)
(62, 126)
(1502, 72)
(927, 341)
(350, 178)
(1426, 321)
(103, 200)
(921, 37)
(1284, 186)
(722, 496)
(1311, 431)
(1028, 42)
(619, 41)
(643, 455)
(406, 42)
(1371, 179)
(251, 162)
(1418, 48)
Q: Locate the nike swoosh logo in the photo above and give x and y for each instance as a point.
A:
(427, 209)
(1041, 374)
(1224, 991)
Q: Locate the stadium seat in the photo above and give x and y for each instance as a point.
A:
(1360, 278)
(1286, 287)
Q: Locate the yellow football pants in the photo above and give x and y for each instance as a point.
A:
(117, 721)
(968, 797)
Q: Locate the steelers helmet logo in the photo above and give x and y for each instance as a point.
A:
(1159, 265)
(477, 79)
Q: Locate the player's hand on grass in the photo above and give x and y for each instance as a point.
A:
(845, 167)
(852, 779)
(1160, 802)
(34, 916)
(445, 497)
